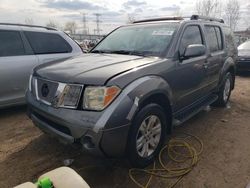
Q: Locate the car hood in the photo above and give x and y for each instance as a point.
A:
(243, 53)
(92, 69)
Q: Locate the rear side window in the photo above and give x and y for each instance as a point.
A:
(47, 43)
(11, 44)
(214, 38)
(192, 35)
(219, 38)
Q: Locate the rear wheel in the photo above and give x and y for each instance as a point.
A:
(225, 91)
(147, 135)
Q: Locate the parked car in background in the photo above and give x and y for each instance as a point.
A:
(243, 63)
(127, 94)
(22, 47)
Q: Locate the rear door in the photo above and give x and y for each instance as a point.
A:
(48, 46)
(16, 64)
(216, 55)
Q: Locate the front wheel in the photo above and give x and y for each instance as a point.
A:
(225, 91)
(147, 135)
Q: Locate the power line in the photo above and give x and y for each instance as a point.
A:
(97, 30)
(84, 21)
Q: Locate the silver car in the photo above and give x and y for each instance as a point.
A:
(23, 47)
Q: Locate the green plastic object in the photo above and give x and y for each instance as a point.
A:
(44, 183)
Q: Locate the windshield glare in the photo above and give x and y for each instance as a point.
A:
(151, 39)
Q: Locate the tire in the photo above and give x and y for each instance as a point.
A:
(142, 136)
(225, 91)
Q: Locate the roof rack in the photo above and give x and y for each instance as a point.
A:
(198, 17)
(193, 17)
(158, 19)
(26, 25)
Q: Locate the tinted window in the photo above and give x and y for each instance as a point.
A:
(192, 35)
(219, 38)
(11, 44)
(213, 44)
(47, 43)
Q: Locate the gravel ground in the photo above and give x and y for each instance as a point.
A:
(26, 153)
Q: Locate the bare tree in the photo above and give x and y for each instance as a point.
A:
(52, 23)
(29, 21)
(131, 18)
(232, 13)
(71, 27)
(246, 18)
(208, 7)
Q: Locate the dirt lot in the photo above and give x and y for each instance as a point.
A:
(26, 153)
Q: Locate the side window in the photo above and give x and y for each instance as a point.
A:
(47, 43)
(213, 44)
(219, 38)
(11, 43)
(192, 35)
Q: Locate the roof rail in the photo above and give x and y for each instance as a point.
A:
(26, 25)
(158, 19)
(199, 17)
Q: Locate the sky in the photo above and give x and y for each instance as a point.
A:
(113, 12)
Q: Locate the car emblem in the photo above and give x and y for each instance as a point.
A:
(45, 90)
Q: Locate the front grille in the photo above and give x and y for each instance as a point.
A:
(54, 125)
(46, 90)
(56, 94)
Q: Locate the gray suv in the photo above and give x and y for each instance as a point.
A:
(22, 47)
(140, 81)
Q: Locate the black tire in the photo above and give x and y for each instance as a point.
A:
(146, 112)
(222, 101)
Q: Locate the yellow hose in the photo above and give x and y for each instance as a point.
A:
(188, 153)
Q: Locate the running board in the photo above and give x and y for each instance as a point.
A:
(190, 112)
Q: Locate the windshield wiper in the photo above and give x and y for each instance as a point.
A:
(99, 51)
(125, 52)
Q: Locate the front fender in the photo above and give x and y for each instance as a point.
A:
(126, 104)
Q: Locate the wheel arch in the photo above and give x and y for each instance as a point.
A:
(162, 100)
(228, 66)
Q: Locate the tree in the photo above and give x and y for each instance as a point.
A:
(29, 21)
(131, 18)
(232, 13)
(208, 7)
(71, 27)
(246, 18)
(52, 24)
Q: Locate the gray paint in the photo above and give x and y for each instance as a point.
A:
(181, 81)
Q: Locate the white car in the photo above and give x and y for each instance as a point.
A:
(23, 47)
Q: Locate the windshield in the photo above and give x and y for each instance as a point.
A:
(144, 40)
(244, 46)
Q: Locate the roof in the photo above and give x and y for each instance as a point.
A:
(29, 26)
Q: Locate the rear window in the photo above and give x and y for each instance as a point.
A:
(214, 38)
(47, 43)
(11, 44)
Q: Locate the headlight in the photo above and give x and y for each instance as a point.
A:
(97, 98)
(68, 95)
(72, 94)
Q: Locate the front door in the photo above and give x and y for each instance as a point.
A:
(190, 73)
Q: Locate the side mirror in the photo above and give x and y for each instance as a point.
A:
(194, 50)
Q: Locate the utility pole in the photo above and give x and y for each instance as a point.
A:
(97, 30)
(85, 28)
